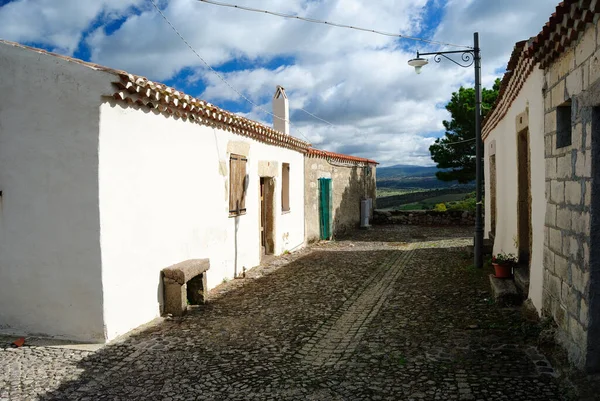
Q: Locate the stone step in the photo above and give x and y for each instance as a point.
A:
(488, 246)
(522, 281)
(504, 291)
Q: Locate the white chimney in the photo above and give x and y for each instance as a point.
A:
(281, 109)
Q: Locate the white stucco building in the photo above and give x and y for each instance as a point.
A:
(513, 135)
(107, 178)
(543, 176)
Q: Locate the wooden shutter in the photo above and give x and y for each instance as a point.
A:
(237, 185)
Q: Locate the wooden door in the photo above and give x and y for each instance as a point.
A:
(267, 217)
(524, 198)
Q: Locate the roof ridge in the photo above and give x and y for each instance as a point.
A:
(563, 28)
(313, 152)
(139, 90)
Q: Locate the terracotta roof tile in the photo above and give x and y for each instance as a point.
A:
(564, 27)
(323, 154)
(518, 69)
(137, 90)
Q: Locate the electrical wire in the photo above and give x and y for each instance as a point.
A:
(456, 143)
(218, 74)
(316, 21)
(286, 16)
(317, 117)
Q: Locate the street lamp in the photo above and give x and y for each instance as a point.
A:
(469, 56)
(418, 63)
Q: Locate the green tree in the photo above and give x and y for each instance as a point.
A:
(458, 159)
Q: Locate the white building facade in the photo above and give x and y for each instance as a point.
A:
(542, 174)
(515, 203)
(108, 178)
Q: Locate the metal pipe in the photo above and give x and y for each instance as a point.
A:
(478, 245)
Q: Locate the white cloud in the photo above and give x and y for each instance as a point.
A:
(357, 80)
(55, 23)
(500, 24)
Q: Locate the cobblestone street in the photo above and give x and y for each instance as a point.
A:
(393, 313)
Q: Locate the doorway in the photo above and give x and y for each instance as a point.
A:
(492, 196)
(267, 215)
(325, 208)
(524, 198)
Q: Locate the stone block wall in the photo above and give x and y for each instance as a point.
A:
(351, 182)
(574, 78)
(424, 217)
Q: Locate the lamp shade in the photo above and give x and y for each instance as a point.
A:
(418, 63)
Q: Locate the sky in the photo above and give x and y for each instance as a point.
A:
(360, 82)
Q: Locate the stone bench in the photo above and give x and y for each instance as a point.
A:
(183, 282)
(504, 291)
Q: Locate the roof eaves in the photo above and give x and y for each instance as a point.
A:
(324, 154)
(138, 90)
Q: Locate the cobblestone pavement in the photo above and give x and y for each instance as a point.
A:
(393, 313)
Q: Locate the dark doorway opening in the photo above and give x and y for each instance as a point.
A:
(493, 196)
(593, 334)
(524, 198)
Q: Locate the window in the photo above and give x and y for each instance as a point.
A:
(237, 185)
(285, 187)
(563, 125)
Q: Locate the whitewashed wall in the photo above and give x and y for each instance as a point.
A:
(505, 136)
(164, 190)
(50, 266)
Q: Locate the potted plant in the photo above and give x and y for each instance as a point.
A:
(503, 264)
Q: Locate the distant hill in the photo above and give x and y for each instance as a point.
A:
(407, 177)
(404, 170)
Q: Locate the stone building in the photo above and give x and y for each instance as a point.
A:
(546, 122)
(335, 186)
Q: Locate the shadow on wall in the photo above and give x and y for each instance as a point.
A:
(360, 185)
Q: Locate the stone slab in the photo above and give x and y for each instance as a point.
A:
(186, 270)
(522, 281)
(504, 291)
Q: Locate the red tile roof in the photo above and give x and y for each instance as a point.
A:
(323, 154)
(138, 90)
(564, 28)
(518, 70)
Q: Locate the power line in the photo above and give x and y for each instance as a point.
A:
(316, 21)
(459, 142)
(317, 117)
(217, 73)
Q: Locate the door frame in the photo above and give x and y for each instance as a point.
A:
(266, 215)
(524, 223)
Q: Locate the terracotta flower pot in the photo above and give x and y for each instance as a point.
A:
(502, 271)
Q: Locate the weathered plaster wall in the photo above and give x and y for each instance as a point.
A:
(504, 138)
(570, 276)
(164, 188)
(50, 266)
(350, 184)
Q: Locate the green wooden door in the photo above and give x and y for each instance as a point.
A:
(325, 207)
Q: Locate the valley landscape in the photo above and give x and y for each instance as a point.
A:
(406, 187)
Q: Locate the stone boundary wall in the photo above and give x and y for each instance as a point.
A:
(393, 200)
(424, 217)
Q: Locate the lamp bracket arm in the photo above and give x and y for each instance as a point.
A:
(467, 56)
